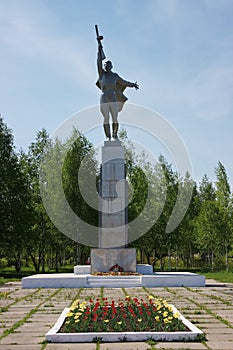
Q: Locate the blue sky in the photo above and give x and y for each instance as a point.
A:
(179, 51)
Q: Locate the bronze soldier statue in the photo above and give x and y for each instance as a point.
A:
(112, 87)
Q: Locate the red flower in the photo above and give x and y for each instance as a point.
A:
(96, 306)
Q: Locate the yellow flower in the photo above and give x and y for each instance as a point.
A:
(106, 321)
(170, 308)
(69, 314)
(166, 320)
(76, 321)
(150, 297)
(120, 322)
(159, 307)
(76, 302)
(170, 318)
(127, 297)
(67, 322)
(139, 320)
(83, 305)
(157, 318)
(165, 314)
(176, 315)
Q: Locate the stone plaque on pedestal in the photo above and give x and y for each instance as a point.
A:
(103, 259)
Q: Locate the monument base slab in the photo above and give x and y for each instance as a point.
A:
(70, 280)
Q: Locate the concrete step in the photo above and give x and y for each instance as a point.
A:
(114, 281)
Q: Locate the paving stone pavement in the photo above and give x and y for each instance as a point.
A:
(26, 315)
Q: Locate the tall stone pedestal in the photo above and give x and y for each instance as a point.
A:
(114, 197)
(113, 218)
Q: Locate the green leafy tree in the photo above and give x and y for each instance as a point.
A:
(80, 159)
(14, 194)
(164, 241)
(186, 244)
(208, 222)
(224, 204)
(40, 223)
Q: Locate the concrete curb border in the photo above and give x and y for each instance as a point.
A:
(54, 336)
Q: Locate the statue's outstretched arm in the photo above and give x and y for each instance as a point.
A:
(127, 83)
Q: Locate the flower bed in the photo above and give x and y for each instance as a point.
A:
(109, 320)
(131, 314)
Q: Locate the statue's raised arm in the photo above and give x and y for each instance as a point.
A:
(112, 87)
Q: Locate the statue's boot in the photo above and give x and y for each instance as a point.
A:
(115, 130)
(107, 131)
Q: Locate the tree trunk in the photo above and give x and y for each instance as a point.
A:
(161, 262)
(141, 258)
(35, 263)
(212, 260)
(57, 260)
(208, 258)
(43, 263)
(190, 256)
(18, 263)
(148, 258)
(78, 255)
(226, 252)
(176, 260)
(26, 261)
(169, 259)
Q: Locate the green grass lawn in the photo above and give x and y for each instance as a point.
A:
(8, 273)
(5, 280)
(221, 276)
